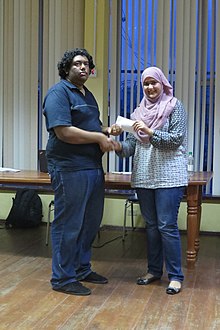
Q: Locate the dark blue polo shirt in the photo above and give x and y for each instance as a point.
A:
(65, 105)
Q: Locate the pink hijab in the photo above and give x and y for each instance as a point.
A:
(154, 113)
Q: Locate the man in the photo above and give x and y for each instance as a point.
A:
(74, 152)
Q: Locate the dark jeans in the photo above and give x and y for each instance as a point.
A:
(159, 208)
(79, 200)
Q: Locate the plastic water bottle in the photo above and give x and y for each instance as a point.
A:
(190, 162)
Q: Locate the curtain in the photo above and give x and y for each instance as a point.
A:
(63, 22)
(34, 34)
(18, 82)
(182, 38)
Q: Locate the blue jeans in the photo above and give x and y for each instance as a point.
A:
(78, 211)
(159, 208)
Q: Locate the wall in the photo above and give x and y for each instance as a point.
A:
(114, 213)
(6, 203)
(96, 42)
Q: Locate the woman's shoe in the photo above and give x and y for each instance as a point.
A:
(173, 288)
(145, 280)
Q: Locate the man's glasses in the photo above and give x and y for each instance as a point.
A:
(78, 64)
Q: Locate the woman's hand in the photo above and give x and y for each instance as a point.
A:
(141, 126)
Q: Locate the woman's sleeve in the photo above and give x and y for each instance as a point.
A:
(176, 133)
(128, 146)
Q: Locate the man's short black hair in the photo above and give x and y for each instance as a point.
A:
(66, 61)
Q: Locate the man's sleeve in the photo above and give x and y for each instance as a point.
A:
(57, 109)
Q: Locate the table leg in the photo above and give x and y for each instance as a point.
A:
(194, 200)
(199, 208)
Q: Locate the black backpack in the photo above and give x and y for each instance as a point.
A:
(26, 210)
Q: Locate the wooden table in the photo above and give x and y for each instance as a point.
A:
(39, 181)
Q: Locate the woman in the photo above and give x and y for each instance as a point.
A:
(159, 174)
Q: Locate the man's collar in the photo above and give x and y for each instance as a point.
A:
(70, 85)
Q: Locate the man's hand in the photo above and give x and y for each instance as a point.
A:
(76, 135)
(106, 143)
(117, 146)
(114, 130)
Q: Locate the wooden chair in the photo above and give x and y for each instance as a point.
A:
(130, 195)
(129, 203)
(50, 210)
(131, 198)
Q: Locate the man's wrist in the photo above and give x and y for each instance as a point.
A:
(105, 131)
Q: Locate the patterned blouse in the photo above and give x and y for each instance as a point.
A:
(162, 162)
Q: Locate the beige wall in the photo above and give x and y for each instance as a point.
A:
(96, 34)
(96, 42)
(114, 213)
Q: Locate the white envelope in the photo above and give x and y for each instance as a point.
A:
(127, 125)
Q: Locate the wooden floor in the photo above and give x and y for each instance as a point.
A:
(27, 301)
